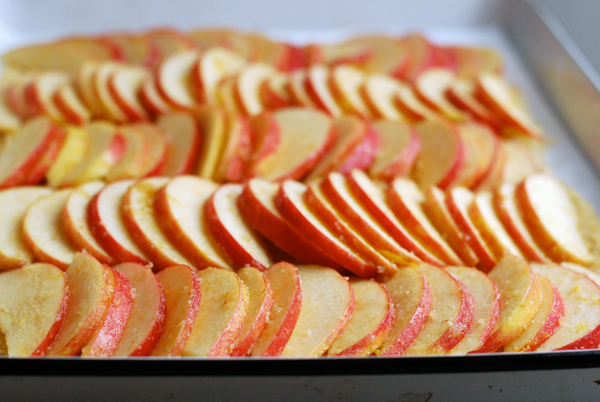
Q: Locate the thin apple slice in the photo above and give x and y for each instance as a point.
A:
(182, 293)
(174, 77)
(266, 137)
(399, 148)
(287, 294)
(237, 150)
(431, 86)
(101, 79)
(231, 232)
(9, 121)
(130, 164)
(206, 39)
(247, 87)
(156, 148)
(317, 79)
(44, 163)
(269, 51)
(345, 83)
(297, 88)
(91, 287)
(168, 41)
(211, 121)
(580, 289)
(71, 155)
(183, 137)
(274, 92)
(518, 162)
(379, 92)
(472, 61)
(213, 66)
(461, 93)
(40, 91)
(125, 85)
(411, 106)
(133, 49)
(520, 298)
(148, 313)
(14, 95)
(70, 105)
(221, 315)
(227, 97)
(327, 306)
(371, 321)
(33, 306)
(260, 304)
(84, 83)
(480, 151)
(551, 217)
(106, 223)
(152, 100)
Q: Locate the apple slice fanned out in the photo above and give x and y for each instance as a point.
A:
(305, 137)
(482, 148)
(152, 100)
(371, 321)
(168, 41)
(236, 152)
(33, 306)
(9, 121)
(213, 66)
(266, 137)
(86, 89)
(317, 87)
(39, 94)
(461, 93)
(132, 48)
(409, 104)
(14, 95)
(345, 83)
(211, 121)
(174, 78)
(297, 89)
(125, 85)
(274, 92)
(327, 306)
(91, 287)
(227, 97)
(551, 218)
(45, 162)
(399, 148)
(130, 164)
(182, 293)
(101, 77)
(431, 87)
(148, 312)
(472, 61)
(71, 106)
(248, 84)
(156, 149)
(379, 92)
(183, 137)
(221, 315)
(71, 154)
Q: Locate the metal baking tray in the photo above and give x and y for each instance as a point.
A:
(563, 91)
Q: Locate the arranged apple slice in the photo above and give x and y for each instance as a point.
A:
(91, 287)
(400, 146)
(181, 288)
(124, 86)
(227, 97)
(221, 315)
(71, 154)
(212, 125)
(431, 86)
(520, 298)
(84, 83)
(101, 77)
(152, 100)
(317, 87)
(133, 49)
(213, 66)
(183, 138)
(14, 94)
(33, 306)
(539, 198)
(156, 149)
(45, 162)
(169, 41)
(298, 90)
(9, 121)
(148, 313)
(274, 92)
(70, 106)
(130, 164)
(518, 161)
(40, 91)
(248, 84)
(327, 306)
(236, 152)
(461, 93)
(472, 61)
(345, 83)
(266, 138)
(75, 223)
(260, 304)
(411, 106)
(371, 321)
(284, 281)
(482, 148)
(379, 92)
(174, 77)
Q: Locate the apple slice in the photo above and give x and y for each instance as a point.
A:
(221, 315)
(284, 280)
(411, 106)
(327, 306)
(101, 77)
(237, 149)
(181, 288)
(133, 49)
(14, 94)
(84, 83)
(71, 154)
(442, 154)
(33, 305)
(70, 106)
(156, 149)
(461, 93)
(486, 310)
(227, 97)
(551, 218)
(266, 138)
(520, 298)
(124, 86)
(40, 91)
(44, 163)
(213, 66)
(579, 328)
(211, 121)
(370, 324)
(206, 39)
(9, 121)
(91, 287)
(472, 61)
(148, 313)
(44, 233)
(399, 148)
(305, 137)
(247, 87)
(106, 223)
(317, 87)
(269, 51)
(364, 154)
(130, 164)
(379, 92)
(169, 41)
(152, 100)
(297, 88)
(260, 304)
(431, 86)
(345, 83)
(434, 206)
(174, 77)
(274, 92)
(183, 137)
(227, 226)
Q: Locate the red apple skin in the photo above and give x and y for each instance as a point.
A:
(364, 154)
(70, 113)
(404, 162)
(38, 172)
(462, 323)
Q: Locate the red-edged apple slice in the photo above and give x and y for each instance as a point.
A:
(105, 149)
(14, 96)
(124, 86)
(497, 94)
(506, 208)
(130, 164)
(183, 137)
(372, 197)
(450, 315)
(269, 51)
(106, 223)
(14, 251)
(274, 92)
(44, 233)
(399, 148)
(431, 86)
(486, 311)
(544, 324)
(297, 88)
(9, 121)
(148, 313)
(231, 232)
(266, 136)
(237, 150)
(494, 176)
(517, 162)
(84, 83)
(327, 306)
(133, 49)
(434, 206)
(181, 288)
(71, 106)
(91, 287)
(206, 39)
(22, 150)
(212, 125)
(40, 91)
(179, 208)
(442, 154)
(379, 92)
(156, 148)
(305, 137)
(221, 315)
(370, 324)
(174, 77)
(247, 87)
(260, 304)
(287, 294)
(45, 162)
(101, 78)
(109, 334)
(71, 154)
(422, 55)
(461, 93)
(551, 217)
(405, 199)
(317, 87)
(579, 328)
(411, 106)
(213, 66)
(74, 221)
(472, 61)
(345, 83)
(482, 147)
(227, 97)
(142, 224)
(257, 206)
(290, 202)
(33, 305)
(152, 100)
(364, 154)
(458, 200)
(520, 298)
(169, 41)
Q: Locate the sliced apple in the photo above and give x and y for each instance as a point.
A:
(33, 306)
(399, 148)
(411, 106)
(212, 125)
(431, 86)
(266, 136)
(84, 83)
(518, 162)
(268, 51)
(317, 87)
(130, 164)
(71, 107)
(379, 92)
(494, 176)
(183, 137)
(364, 153)
(221, 315)
(274, 92)
(181, 288)
(14, 95)
(45, 162)
(422, 55)
(207, 39)
(213, 66)
(247, 87)
(134, 49)
(156, 148)
(40, 91)
(174, 77)
(297, 88)
(169, 41)
(472, 61)
(461, 93)
(101, 78)
(227, 97)
(124, 86)
(152, 100)
(9, 121)
(71, 155)
(236, 153)
(345, 83)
